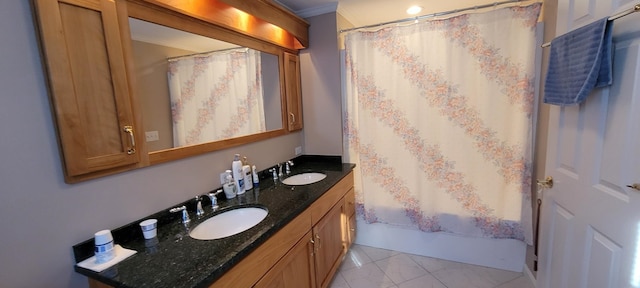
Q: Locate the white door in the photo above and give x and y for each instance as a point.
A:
(590, 223)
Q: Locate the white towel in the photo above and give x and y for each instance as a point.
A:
(121, 254)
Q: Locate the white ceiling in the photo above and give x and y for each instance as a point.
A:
(367, 12)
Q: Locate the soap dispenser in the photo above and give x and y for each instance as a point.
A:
(229, 186)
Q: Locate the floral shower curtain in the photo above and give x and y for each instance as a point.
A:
(216, 96)
(438, 119)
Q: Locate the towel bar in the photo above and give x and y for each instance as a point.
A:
(635, 8)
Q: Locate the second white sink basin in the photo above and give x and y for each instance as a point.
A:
(304, 178)
(228, 223)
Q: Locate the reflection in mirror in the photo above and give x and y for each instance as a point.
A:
(195, 89)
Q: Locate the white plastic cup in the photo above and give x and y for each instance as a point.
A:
(149, 228)
(104, 246)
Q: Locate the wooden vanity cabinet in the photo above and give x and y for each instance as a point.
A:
(293, 91)
(294, 270)
(328, 239)
(88, 85)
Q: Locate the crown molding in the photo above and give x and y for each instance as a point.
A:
(349, 16)
(319, 10)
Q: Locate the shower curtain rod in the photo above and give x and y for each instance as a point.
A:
(634, 9)
(434, 15)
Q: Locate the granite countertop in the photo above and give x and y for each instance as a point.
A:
(177, 260)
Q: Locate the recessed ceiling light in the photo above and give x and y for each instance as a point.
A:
(414, 10)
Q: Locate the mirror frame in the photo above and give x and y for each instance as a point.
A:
(162, 16)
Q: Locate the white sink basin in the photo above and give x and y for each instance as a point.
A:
(228, 223)
(304, 178)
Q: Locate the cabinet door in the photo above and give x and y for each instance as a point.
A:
(293, 91)
(88, 85)
(351, 233)
(329, 245)
(350, 216)
(294, 270)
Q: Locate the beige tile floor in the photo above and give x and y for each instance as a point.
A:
(369, 267)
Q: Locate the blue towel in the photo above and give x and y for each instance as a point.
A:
(579, 61)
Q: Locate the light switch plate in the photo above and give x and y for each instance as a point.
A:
(151, 136)
(298, 150)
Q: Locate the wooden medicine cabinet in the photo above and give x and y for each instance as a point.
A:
(100, 88)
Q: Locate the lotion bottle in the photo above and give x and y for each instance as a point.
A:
(246, 172)
(254, 174)
(238, 177)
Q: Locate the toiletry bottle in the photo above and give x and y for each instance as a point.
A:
(238, 177)
(254, 173)
(229, 187)
(246, 172)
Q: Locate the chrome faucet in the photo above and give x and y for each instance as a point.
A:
(280, 170)
(185, 214)
(287, 168)
(274, 173)
(214, 199)
(199, 210)
(277, 172)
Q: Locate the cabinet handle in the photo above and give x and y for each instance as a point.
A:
(293, 117)
(315, 248)
(129, 130)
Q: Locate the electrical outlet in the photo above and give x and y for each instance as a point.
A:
(298, 150)
(151, 136)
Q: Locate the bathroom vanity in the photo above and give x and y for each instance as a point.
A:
(300, 243)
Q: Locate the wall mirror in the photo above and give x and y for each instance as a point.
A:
(198, 94)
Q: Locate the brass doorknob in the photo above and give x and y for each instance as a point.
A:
(546, 183)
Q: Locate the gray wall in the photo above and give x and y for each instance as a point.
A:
(41, 217)
(321, 92)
